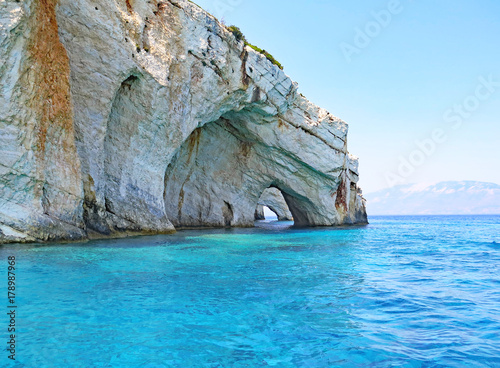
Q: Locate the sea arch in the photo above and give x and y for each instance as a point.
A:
(219, 173)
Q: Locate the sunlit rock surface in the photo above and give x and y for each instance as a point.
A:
(132, 117)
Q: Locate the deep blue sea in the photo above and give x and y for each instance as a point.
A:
(401, 292)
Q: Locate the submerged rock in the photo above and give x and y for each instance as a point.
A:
(138, 117)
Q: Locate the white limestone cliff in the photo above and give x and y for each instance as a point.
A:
(135, 117)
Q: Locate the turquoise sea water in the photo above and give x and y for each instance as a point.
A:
(401, 292)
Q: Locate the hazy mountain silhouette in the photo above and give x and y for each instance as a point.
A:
(445, 198)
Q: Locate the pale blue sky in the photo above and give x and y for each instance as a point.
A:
(422, 63)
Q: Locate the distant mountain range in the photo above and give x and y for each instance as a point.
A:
(445, 198)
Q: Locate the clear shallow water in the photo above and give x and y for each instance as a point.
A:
(402, 292)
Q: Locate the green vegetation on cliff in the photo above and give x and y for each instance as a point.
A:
(236, 31)
(241, 37)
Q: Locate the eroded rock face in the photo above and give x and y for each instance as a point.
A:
(40, 177)
(138, 117)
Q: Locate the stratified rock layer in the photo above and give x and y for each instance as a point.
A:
(135, 117)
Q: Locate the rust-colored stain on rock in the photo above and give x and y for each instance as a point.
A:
(50, 70)
(341, 200)
(245, 149)
(129, 6)
(193, 142)
(281, 125)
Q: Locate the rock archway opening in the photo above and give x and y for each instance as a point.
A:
(220, 173)
(264, 213)
(272, 206)
(269, 214)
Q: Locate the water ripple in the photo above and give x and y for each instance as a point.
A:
(402, 292)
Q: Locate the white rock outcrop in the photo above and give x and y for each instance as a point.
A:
(134, 117)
